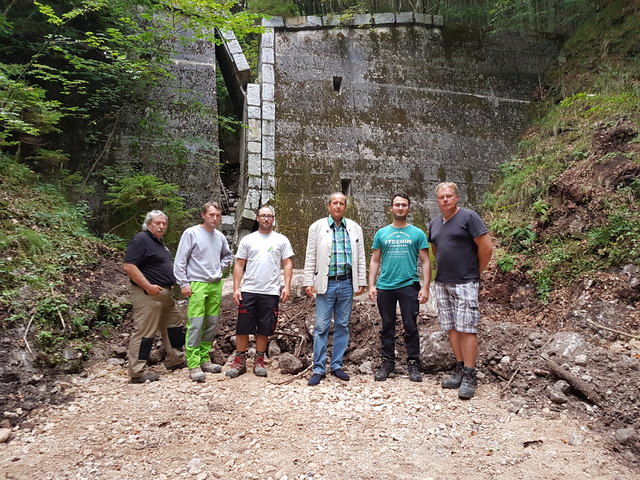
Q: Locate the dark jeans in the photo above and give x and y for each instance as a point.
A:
(407, 297)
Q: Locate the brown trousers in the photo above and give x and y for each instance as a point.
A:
(152, 313)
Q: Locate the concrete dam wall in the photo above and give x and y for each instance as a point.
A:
(385, 103)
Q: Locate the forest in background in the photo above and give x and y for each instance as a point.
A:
(68, 63)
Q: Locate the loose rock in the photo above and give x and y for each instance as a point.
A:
(625, 436)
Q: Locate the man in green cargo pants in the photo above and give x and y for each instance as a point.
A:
(203, 253)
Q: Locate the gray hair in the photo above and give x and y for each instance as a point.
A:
(152, 215)
(335, 194)
(448, 185)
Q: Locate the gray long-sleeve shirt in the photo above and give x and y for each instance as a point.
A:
(201, 256)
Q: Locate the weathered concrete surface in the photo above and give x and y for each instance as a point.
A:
(398, 107)
(176, 137)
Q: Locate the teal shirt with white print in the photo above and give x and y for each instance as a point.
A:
(399, 251)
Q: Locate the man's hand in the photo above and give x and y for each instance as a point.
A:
(153, 289)
(285, 294)
(361, 290)
(373, 293)
(310, 291)
(186, 290)
(237, 296)
(423, 294)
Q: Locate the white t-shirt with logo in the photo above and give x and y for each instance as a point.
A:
(264, 254)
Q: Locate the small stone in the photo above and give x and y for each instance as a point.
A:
(506, 360)
(5, 434)
(625, 436)
(581, 360)
(561, 386)
(274, 349)
(359, 355)
(577, 439)
(557, 396)
(366, 367)
(289, 363)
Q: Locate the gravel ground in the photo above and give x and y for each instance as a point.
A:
(250, 428)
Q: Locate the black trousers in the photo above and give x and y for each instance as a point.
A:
(407, 297)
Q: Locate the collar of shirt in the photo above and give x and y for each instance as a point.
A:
(333, 224)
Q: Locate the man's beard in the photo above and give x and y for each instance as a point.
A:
(399, 217)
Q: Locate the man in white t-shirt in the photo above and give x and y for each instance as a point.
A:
(257, 289)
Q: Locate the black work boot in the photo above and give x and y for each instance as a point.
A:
(455, 379)
(414, 371)
(468, 385)
(387, 367)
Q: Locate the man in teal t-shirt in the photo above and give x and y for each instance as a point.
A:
(395, 252)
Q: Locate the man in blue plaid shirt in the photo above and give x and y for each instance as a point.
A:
(334, 269)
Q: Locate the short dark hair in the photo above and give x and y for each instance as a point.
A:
(273, 212)
(215, 205)
(401, 195)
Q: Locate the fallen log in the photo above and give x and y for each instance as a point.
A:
(498, 373)
(577, 384)
(602, 327)
(291, 379)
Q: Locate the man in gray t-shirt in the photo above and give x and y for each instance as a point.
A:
(462, 247)
(256, 289)
(203, 254)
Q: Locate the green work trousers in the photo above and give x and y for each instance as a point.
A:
(203, 313)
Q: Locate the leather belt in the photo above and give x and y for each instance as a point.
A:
(340, 278)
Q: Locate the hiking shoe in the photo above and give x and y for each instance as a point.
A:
(315, 379)
(455, 379)
(384, 371)
(238, 367)
(341, 374)
(258, 366)
(210, 367)
(468, 385)
(178, 366)
(414, 371)
(197, 375)
(147, 377)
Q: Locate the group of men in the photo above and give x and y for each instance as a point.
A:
(334, 271)
(203, 254)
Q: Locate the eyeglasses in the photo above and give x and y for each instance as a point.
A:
(266, 216)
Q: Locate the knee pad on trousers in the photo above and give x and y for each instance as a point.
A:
(145, 348)
(176, 337)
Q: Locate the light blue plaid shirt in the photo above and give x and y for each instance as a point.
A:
(340, 249)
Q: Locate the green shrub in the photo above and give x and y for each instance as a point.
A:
(505, 261)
